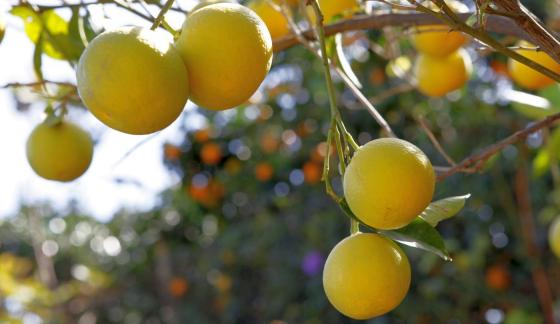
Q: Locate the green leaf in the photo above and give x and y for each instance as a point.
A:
(541, 162)
(547, 153)
(60, 44)
(32, 23)
(343, 61)
(76, 31)
(552, 94)
(472, 20)
(420, 234)
(529, 105)
(443, 209)
(54, 30)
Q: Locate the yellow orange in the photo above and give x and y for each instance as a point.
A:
(60, 152)
(527, 77)
(388, 183)
(275, 21)
(227, 50)
(366, 275)
(211, 153)
(437, 76)
(133, 80)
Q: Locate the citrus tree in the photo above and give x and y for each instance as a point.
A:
(302, 101)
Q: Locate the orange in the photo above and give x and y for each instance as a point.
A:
(202, 135)
(211, 153)
(171, 152)
(438, 76)
(437, 40)
(366, 275)
(275, 20)
(264, 171)
(388, 183)
(525, 76)
(227, 50)
(312, 172)
(498, 277)
(133, 80)
(209, 195)
(60, 152)
(178, 287)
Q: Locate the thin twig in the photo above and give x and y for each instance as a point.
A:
(161, 16)
(434, 140)
(83, 4)
(134, 148)
(398, 89)
(36, 83)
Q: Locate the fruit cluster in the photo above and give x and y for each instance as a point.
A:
(442, 65)
(137, 81)
(387, 184)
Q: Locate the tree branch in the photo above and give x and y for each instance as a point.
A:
(527, 222)
(479, 158)
(423, 124)
(494, 23)
(539, 34)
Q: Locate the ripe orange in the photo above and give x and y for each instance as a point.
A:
(312, 172)
(388, 183)
(498, 277)
(202, 135)
(211, 153)
(209, 195)
(366, 275)
(437, 40)
(264, 171)
(275, 20)
(525, 76)
(500, 67)
(554, 237)
(178, 287)
(60, 152)
(438, 76)
(171, 152)
(335, 8)
(227, 50)
(133, 80)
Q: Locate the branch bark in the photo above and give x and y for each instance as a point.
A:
(536, 30)
(526, 218)
(479, 158)
(494, 23)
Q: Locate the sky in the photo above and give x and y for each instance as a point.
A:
(96, 192)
